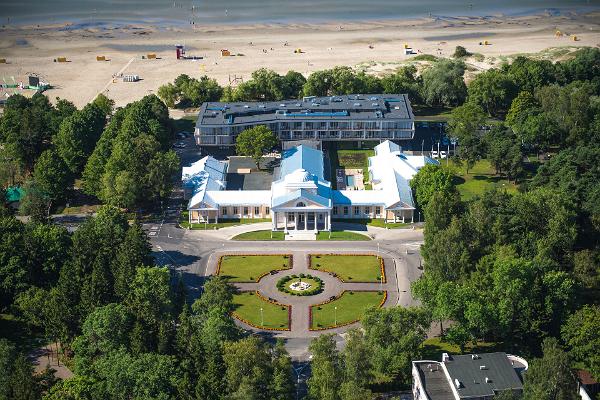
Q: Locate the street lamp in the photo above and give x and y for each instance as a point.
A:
(378, 255)
(262, 319)
(381, 283)
(335, 316)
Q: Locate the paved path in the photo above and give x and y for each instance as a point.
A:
(301, 304)
(193, 253)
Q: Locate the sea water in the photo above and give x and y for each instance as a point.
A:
(98, 12)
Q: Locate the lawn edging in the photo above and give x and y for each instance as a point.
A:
(289, 311)
(381, 266)
(289, 266)
(310, 310)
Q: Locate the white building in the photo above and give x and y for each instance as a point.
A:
(301, 199)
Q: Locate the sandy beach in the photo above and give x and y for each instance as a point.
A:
(375, 46)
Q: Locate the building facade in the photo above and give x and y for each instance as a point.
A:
(469, 376)
(301, 198)
(335, 118)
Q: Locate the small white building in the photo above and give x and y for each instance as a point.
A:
(301, 199)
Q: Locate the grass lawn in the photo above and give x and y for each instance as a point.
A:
(378, 222)
(183, 222)
(248, 268)
(434, 347)
(479, 179)
(349, 268)
(260, 235)
(266, 235)
(352, 159)
(350, 307)
(247, 308)
(342, 235)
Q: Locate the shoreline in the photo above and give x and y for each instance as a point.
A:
(176, 23)
(375, 46)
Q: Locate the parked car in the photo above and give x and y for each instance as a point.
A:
(443, 154)
(434, 154)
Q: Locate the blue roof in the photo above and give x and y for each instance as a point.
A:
(302, 157)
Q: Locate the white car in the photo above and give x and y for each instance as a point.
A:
(443, 154)
(434, 154)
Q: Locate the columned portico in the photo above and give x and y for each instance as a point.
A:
(302, 221)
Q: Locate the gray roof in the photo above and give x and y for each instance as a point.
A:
(434, 380)
(472, 376)
(345, 107)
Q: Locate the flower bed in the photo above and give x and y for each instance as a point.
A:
(342, 273)
(335, 299)
(271, 312)
(316, 285)
(253, 267)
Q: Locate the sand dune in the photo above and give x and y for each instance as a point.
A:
(32, 49)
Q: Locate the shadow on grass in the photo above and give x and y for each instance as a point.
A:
(458, 180)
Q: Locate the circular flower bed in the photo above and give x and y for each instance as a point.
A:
(300, 285)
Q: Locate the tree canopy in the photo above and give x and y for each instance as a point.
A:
(255, 143)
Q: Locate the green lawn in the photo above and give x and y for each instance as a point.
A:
(479, 179)
(266, 235)
(434, 347)
(342, 235)
(247, 308)
(350, 158)
(249, 268)
(350, 307)
(260, 235)
(349, 268)
(183, 222)
(378, 222)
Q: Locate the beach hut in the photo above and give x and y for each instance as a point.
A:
(2, 60)
(151, 56)
(298, 51)
(574, 38)
(225, 53)
(61, 59)
(100, 58)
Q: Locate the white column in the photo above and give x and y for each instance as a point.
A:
(316, 220)
(295, 221)
(274, 222)
(285, 221)
(305, 220)
(190, 217)
(217, 216)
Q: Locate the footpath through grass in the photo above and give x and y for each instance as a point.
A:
(239, 268)
(248, 309)
(480, 178)
(348, 308)
(349, 268)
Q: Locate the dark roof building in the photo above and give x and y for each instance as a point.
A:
(471, 376)
(347, 117)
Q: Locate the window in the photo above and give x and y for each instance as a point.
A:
(300, 204)
(224, 211)
(245, 210)
(235, 211)
(377, 210)
(367, 210)
(345, 210)
(335, 210)
(256, 210)
(356, 210)
(266, 210)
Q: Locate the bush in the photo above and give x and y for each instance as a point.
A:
(460, 52)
